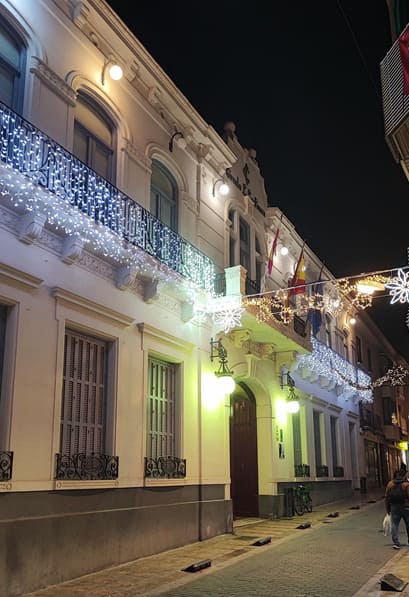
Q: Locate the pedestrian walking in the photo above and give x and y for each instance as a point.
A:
(397, 503)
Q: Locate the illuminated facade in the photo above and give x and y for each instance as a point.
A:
(119, 258)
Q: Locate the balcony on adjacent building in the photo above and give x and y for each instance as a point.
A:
(42, 181)
(368, 421)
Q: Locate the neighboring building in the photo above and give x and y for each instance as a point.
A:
(119, 265)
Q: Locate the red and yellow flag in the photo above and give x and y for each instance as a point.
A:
(297, 285)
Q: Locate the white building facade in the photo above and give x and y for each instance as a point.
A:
(119, 264)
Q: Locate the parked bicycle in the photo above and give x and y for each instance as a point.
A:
(302, 500)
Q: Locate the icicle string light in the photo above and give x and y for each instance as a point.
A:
(81, 202)
(324, 361)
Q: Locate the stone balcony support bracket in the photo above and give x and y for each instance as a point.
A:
(31, 226)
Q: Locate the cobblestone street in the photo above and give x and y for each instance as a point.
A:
(334, 556)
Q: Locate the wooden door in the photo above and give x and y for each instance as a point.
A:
(243, 453)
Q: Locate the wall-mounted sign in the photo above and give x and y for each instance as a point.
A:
(402, 445)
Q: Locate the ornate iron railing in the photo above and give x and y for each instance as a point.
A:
(252, 286)
(299, 326)
(86, 466)
(26, 149)
(302, 470)
(338, 471)
(165, 467)
(6, 465)
(368, 420)
(322, 470)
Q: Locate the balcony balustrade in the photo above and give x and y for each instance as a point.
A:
(322, 470)
(86, 467)
(165, 467)
(81, 201)
(302, 470)
(6, 465)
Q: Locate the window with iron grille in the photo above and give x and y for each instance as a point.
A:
(84, 395)
(163, 409)
(12, 67)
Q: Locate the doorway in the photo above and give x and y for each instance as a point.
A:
(243, 452)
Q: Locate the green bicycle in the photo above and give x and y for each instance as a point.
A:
(302, 500)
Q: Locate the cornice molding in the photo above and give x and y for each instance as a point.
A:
(16, 276)
(53, 81)
(75, 301)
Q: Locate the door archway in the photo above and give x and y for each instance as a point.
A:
(243, 452)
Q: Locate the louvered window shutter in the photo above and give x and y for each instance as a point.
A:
(83, 403)
(162, 405)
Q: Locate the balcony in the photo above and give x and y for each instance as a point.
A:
(165, 467)
(40, 177)
(368, 421)
(332, 372)
(302, 470)
(6, 465)
(265, 326)
(322, 470)
(82, 467)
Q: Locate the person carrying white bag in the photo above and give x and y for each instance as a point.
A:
(397, 505)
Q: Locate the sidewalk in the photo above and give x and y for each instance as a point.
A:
(156, 574)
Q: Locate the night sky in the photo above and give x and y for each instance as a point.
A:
(301, 81)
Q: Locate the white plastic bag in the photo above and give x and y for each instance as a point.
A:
(387, 524)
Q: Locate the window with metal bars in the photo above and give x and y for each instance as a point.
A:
(163, 409)
(84, 395)
(334, 441)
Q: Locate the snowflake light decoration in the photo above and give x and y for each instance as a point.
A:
(399, 287)
(229, 316)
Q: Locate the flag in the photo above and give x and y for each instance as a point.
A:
(404, 57)
(297, 285)
(315, 314)
(273, 251)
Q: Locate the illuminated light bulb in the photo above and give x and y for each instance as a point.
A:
(226, 384)
(284, 251)
(224, 189)
(115, 72)
(352, 321)
(293, 406)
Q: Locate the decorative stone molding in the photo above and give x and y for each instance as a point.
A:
(137, 154)
(187, 311)
(75, 301)
(53, 81)
(125, 277)
(31, 226)
(71, 248)
(205, 151)
(239, 337)
(12, 275)
(190, 202)
(151, 293)
(79, 12)
(154, 96)
(131, 71)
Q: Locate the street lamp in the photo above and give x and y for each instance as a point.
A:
(224, 374)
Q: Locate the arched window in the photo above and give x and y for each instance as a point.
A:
(93, 137)
(164, 195)
(12, 67)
